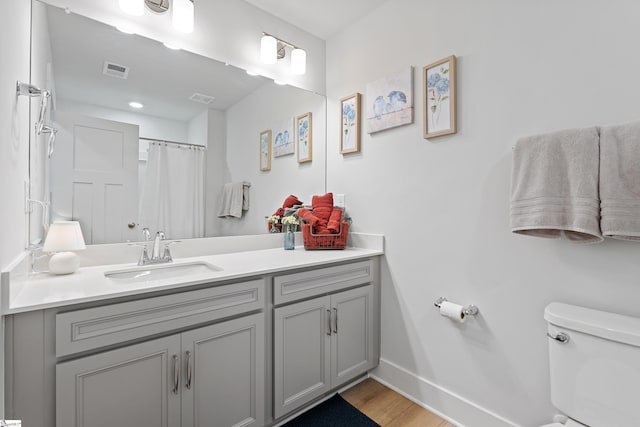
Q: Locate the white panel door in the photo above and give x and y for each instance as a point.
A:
(94, 177)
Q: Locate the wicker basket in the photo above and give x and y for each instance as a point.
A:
(325, 241)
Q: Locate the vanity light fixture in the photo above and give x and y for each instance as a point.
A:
(134, 104)
(183, 15)
(272, 49)
(62, 238)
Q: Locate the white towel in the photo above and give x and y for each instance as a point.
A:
(232, 200)
(620, 181)
(554, 186)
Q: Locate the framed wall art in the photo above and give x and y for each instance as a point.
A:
(439, 94)
(304, 138)
(389, 101)
(283, 140)
(350, 124)
(265, 150)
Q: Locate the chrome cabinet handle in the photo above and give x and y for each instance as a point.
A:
(328, 322)
(560, 337)
(188, 384)
(176, 374)
(335, 320)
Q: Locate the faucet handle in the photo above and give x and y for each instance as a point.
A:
(146, 234)
(166, 256)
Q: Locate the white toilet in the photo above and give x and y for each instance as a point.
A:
(594, 359)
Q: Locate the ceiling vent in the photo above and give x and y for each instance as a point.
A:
(202, 98)
(115, 70)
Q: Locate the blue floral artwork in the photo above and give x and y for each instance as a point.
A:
(265, 150)
(303, 125)
(349, 138)
(283, 140)
(390, 101)
(439, 85)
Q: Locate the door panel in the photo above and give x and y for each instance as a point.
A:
(131, 386)
(94, 177)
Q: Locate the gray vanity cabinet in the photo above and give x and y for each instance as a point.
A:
(323, 342)
(211, 376)
(131, 386)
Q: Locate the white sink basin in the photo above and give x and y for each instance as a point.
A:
(148, 273)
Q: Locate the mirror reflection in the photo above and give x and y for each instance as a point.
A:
(148, 136)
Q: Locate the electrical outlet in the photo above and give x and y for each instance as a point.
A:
(339, 200)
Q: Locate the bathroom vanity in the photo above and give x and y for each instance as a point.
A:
(238, 346)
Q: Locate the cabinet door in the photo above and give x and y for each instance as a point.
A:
(302, 337)
(131, 386)
(223, 374)
(352, 342)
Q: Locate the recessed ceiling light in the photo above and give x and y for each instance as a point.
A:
(252, 73)
(170, 46)
(134, 104)
(125, 30)
(280, 82)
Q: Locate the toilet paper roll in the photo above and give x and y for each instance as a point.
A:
(452, 311)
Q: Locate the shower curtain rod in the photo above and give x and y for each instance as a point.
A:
(172, 142)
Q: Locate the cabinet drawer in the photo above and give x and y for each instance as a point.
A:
(91, 328)
(292, 287)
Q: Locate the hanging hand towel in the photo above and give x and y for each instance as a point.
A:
(554, 186)
(231, 201)
(620, 181)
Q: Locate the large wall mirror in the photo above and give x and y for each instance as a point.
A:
(117, 168)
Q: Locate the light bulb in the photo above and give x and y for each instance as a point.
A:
(183, 15)
(132, 7)
(268, 49)
(298, 61)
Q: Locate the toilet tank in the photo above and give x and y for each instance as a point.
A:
(595, 375)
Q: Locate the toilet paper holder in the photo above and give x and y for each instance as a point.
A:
(468, 310)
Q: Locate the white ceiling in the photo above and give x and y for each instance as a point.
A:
(322, 18)
(160, 78)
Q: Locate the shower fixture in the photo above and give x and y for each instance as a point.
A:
(32, 91)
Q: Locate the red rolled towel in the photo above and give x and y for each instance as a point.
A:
(291, 201)
(334, 220)
(307, 216)
(322, 206)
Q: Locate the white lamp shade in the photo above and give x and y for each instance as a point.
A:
(132, 7)
(269, 49)
(183, 15)
(298, 61)
(64, 236)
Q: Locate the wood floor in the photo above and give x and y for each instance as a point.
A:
(388, 408)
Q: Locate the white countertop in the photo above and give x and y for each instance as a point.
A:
(42, 290)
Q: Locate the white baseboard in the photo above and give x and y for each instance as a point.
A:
(442, 402)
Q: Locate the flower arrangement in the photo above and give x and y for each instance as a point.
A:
(273, 222)
(290, 220)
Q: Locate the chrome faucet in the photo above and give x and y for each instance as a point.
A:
(155, 254)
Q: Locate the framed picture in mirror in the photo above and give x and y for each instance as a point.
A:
(265, 150)
(304, 137)
(350, 124)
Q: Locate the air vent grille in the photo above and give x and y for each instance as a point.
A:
(202, 98)
(115, 70)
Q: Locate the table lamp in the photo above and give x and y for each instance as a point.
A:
(63, 237)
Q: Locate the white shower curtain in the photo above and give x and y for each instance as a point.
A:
(172, 198)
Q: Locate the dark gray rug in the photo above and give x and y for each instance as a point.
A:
(335, 412)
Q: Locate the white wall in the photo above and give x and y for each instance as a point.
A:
(523, 68)
(266, 109)
(14, 128)
(217, 171)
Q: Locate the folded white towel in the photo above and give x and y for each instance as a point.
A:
(554, 186)
(620, 181)
(232, 200)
